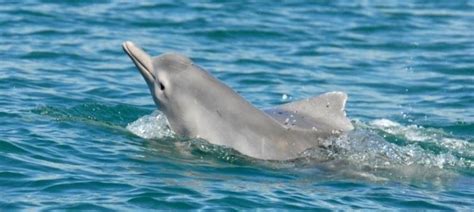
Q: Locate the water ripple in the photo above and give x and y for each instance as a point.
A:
(78, 131)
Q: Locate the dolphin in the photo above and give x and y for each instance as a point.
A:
(197, 105)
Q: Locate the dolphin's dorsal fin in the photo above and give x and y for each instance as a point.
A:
(324, 112)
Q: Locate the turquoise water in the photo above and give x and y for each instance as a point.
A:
(79, 129)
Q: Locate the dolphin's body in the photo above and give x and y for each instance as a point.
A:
(200, 106)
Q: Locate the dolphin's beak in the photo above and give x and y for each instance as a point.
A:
(142, 60)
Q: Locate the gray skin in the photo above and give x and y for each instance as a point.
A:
(198, 105)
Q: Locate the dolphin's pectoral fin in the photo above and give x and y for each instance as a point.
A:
(324, 112)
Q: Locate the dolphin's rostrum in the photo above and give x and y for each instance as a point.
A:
(198, 105)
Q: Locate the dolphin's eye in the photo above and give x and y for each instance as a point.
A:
(162, 87)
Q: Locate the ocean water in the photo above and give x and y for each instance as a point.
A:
(79, 129)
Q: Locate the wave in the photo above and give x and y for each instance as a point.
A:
(379, 150)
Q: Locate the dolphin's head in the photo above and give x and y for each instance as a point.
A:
(144, 63)
(158, 71)
(172, 79)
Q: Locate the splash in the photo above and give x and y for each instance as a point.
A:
(367, 147)
(387, 144)
(418, 134)
(151, 126)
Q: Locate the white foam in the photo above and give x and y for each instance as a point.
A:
(384, 123)
(417, 134)
(151, 126)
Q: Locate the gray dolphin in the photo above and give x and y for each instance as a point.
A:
(198, 105)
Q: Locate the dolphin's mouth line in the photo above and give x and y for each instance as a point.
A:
(141, 66)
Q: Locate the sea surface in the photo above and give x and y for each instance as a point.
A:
(79, 129)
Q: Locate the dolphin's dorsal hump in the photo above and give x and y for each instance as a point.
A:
(323, 113)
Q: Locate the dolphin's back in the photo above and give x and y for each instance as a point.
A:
(324, 113)
(225, 118)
